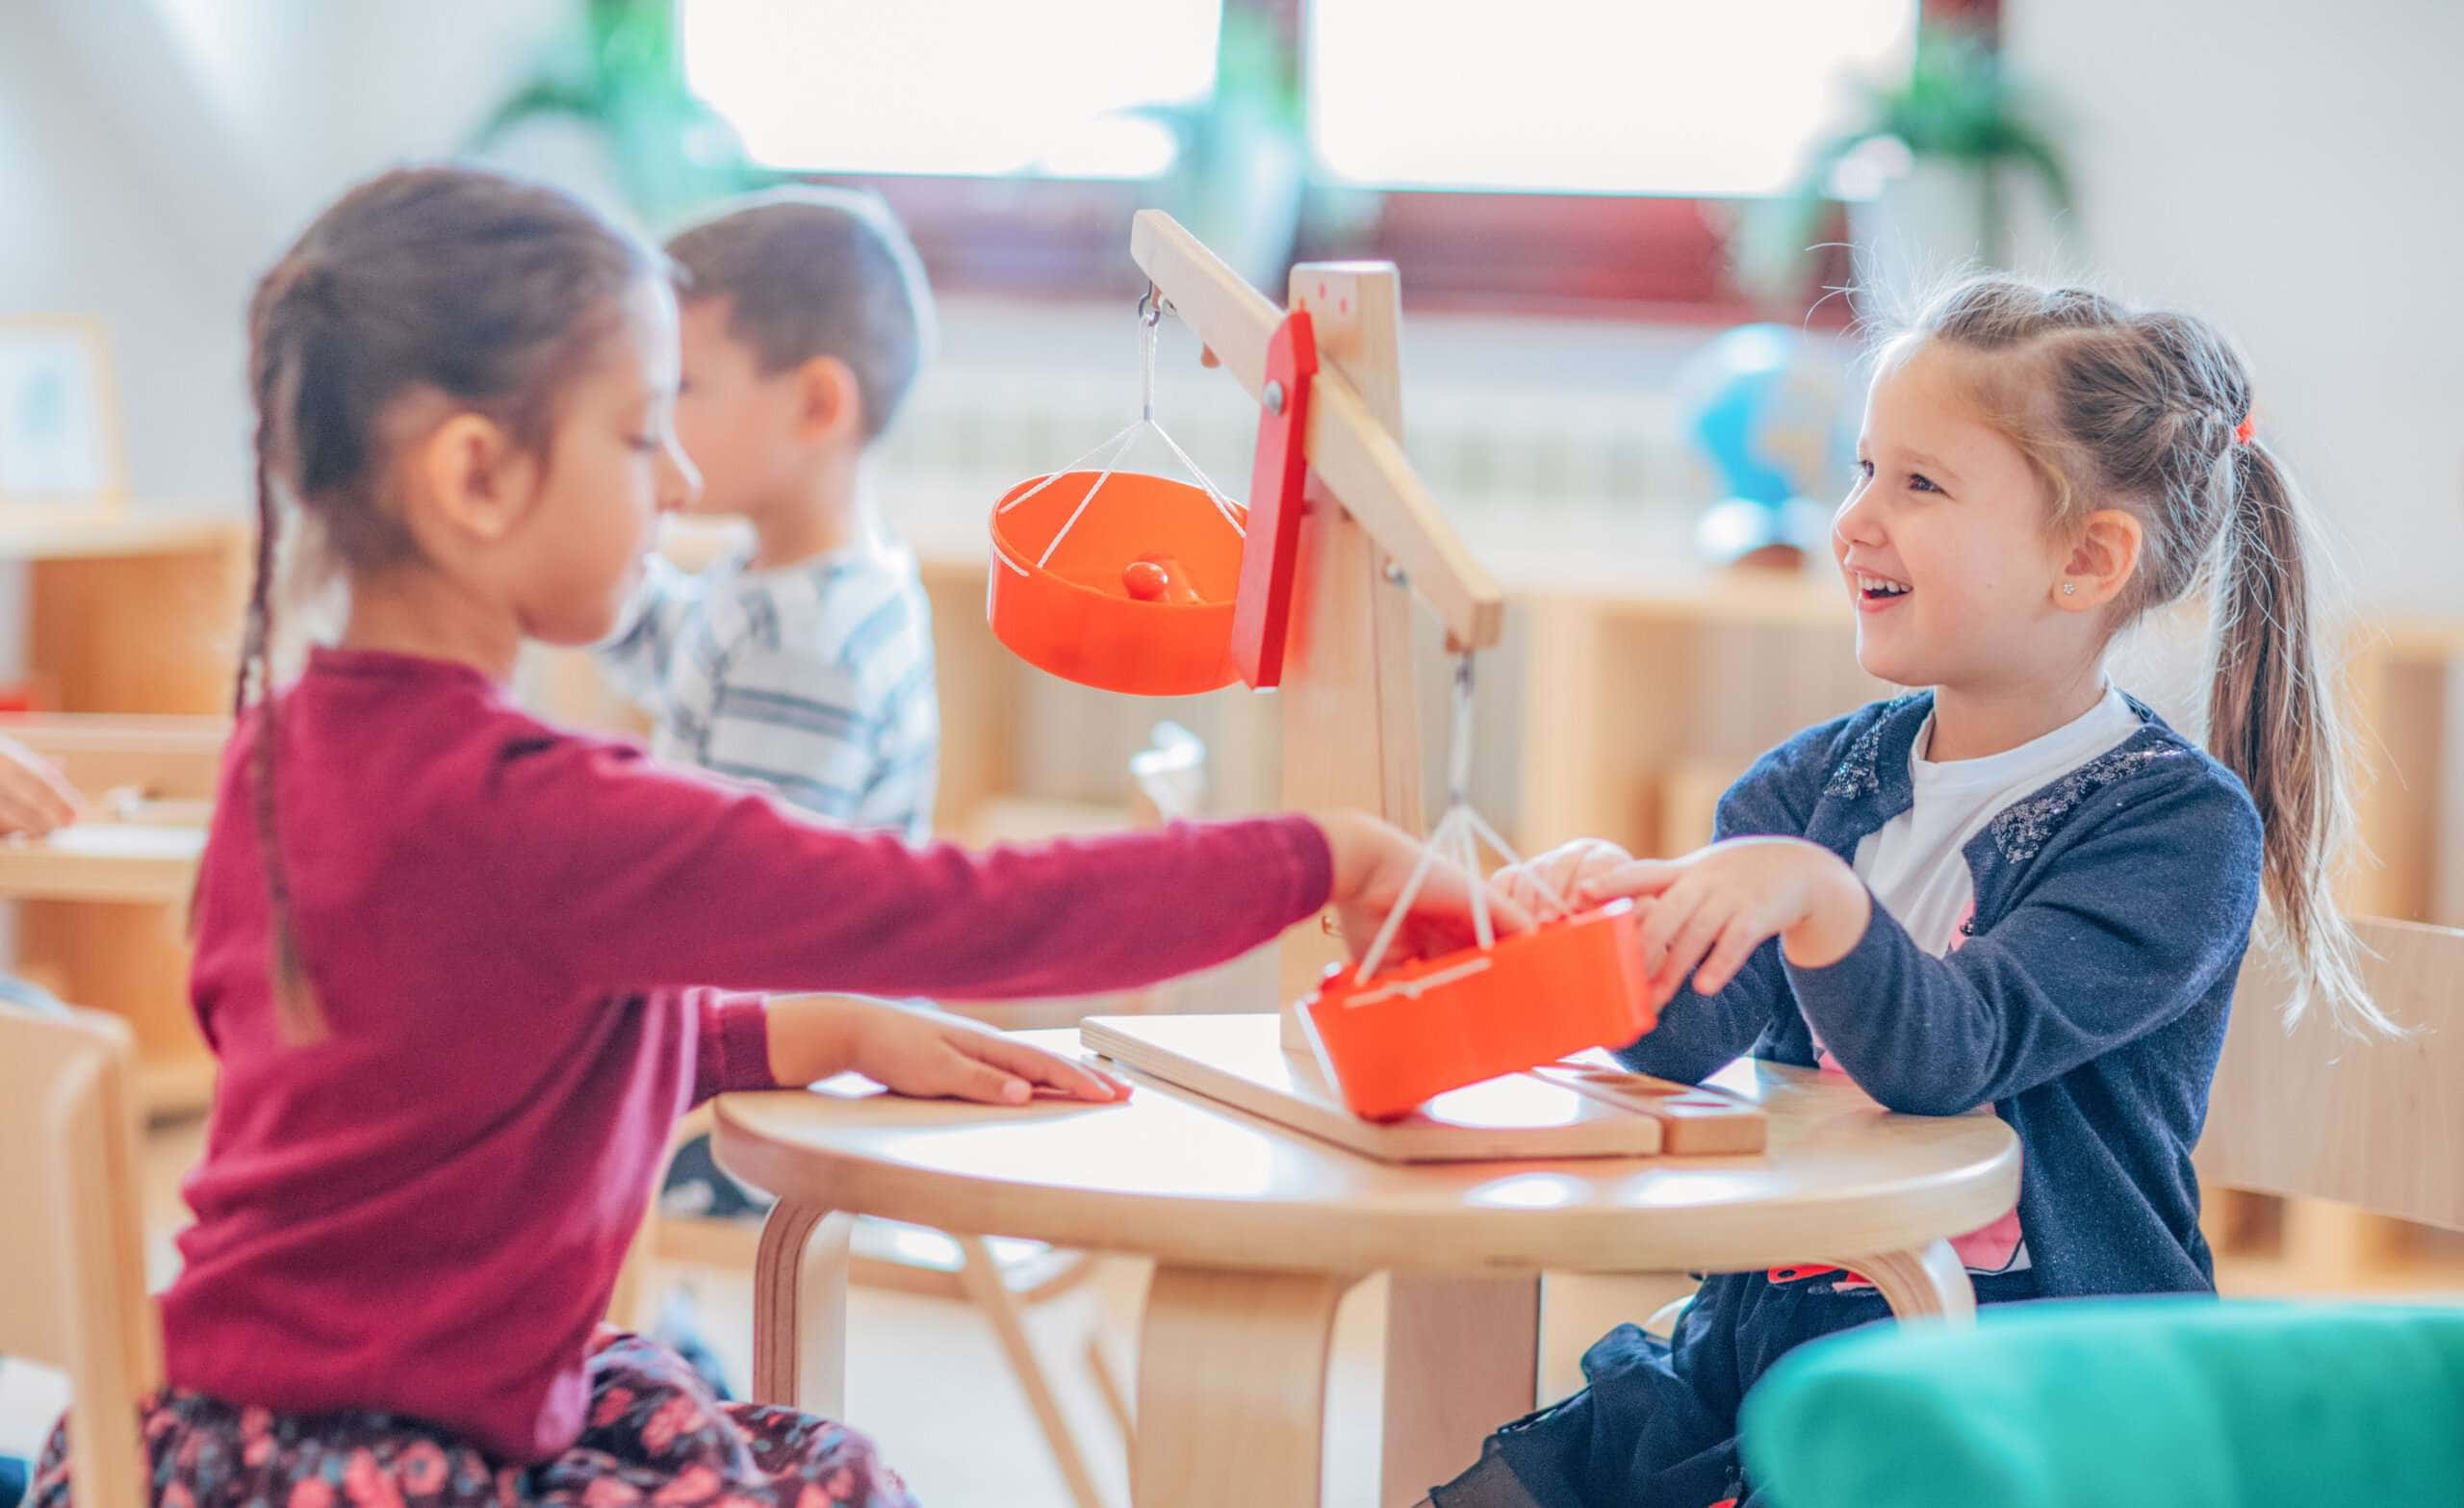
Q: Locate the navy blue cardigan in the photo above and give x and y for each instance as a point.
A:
(2087, 1005)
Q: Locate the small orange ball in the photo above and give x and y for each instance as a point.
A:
(1145, 580)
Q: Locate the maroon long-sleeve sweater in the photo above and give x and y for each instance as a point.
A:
(519, 938)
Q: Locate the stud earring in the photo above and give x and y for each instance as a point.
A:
(2070, 589)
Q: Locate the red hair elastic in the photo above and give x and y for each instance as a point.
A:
(2248, 426)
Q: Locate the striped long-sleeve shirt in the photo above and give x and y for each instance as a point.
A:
(814, 681)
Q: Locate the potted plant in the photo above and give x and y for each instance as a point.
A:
(1928, 170)
(1243, 166)
(618, 76)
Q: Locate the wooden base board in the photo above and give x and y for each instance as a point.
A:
(1237, 1059)
(1695, 1120)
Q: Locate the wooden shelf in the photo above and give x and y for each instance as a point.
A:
(132, 622)
(103, 862)
(82, 535)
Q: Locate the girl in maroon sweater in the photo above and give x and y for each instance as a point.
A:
(463, 970)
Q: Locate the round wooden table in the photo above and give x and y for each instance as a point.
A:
(1257, 1232)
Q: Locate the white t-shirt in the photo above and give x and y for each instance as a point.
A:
(1917, 865)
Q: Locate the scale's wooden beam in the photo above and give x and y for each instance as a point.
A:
(1356, 459)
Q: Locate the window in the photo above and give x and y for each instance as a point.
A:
(1632, 96)
(1510, 154)
(973, 88)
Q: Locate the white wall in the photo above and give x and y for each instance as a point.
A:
(156, 154)
(83, 230)
(2291, 170)
(2285, 168)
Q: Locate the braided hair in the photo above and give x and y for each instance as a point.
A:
(486, 290)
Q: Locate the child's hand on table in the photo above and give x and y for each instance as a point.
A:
(1372, 861)
(33, 796)
(921, 1053)
(1561, 872)
(1705, 913)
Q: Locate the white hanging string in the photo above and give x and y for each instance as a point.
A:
(1470, 850)
(1150, 315)
(1083, 503)
(1393, 923)
(1222, 503)
(1458, 798)
(1456, 842)
(1557, 904)
(1121, 438)
(1458, 737)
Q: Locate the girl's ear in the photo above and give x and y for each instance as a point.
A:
(828, 401)
(477, 481)
(2101, 562)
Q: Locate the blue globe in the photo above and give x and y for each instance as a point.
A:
(1765, 405)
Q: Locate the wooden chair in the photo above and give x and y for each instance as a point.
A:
(73, 1270)
(2374, 1125)
(2359, 1134)
(2309, 1113)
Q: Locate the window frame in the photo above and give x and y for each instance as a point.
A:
(1641, 257)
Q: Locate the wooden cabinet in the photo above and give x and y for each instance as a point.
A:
(135, 614)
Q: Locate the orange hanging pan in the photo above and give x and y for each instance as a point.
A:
(1149, 589)
(1139, 596)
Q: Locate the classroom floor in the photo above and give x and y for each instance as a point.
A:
(924, 1375)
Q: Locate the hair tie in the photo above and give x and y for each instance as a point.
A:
(2248, 426)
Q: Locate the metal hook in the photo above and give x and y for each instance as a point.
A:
(1150, 307)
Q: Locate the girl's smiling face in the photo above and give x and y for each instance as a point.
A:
(1945, 541)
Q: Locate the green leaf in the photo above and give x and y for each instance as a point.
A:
(544, 97)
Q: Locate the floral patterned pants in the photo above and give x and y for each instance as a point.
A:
(656, 1438)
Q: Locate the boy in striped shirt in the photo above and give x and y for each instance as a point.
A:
(804, 660)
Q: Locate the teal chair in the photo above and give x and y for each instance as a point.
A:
(2189, 1404)
(2183, 1403)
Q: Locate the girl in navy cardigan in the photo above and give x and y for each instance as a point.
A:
(2017, 888)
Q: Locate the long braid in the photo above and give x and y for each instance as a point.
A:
(485, 289)
(276, 382)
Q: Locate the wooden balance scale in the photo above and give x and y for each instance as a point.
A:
(1353, 542)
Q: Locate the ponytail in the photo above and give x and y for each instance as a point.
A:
(2272, 719)
(2150, 410)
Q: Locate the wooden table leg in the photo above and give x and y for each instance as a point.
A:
(1462, 1358)
(980, 1276)
(1232, 1387)
(799, 1310)
(1929, 1282)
